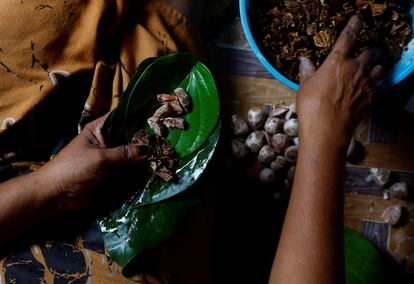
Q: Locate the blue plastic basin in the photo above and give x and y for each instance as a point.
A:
(400, 71)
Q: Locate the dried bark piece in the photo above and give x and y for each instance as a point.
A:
(165, 174)
(162, 157)
(141, 138)
(288, 29)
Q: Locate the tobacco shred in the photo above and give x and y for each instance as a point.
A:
(287, 29)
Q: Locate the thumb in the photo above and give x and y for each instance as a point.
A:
(131, 154)
(306, 68)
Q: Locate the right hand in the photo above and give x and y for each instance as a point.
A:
(332, 100)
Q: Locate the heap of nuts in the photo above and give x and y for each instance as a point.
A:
(397, 190)
(271, 134)
(162, 156)
(167, 116)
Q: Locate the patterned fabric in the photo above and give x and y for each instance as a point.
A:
(64, 63)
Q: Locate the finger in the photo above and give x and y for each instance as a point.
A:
(306, 68)
(376, 73)
(94, 130)
(126, 155)
(369, 58)
(346, 41)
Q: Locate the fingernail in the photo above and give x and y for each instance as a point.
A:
(143, 150)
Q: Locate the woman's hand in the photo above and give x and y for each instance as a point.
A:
(330, 103)
(332, 100)
(64, 184)
(82, 164)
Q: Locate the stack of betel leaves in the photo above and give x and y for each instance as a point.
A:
(287, 29)
(151, 215)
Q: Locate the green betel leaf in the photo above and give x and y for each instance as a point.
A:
(142, 223)
(204, 116)
(189, 170)
(363, 264)
(163, 75)
(132, 229)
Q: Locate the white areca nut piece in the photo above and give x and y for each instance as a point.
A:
(296, 141)
(273, 125)
(238, 126)
(291, 127)
(280, 142)
(292, 112)
(255, 141)
(255, 118)
(266, 154)
(238, 149)
(380, 176)
(278, 164)
(399, 190)
(267, 176)
(291, 154)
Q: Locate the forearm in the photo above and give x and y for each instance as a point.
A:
(311, 245)
(24, 202)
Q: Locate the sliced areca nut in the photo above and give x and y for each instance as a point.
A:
(176, 107)
(279, 112)
(174, 122)
(164, 98)
(183, 98)
(163, 111)
(156, 124)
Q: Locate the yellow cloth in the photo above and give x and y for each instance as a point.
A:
(92, 47)
(60, 56)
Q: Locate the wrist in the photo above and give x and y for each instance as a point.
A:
(48, 195)
(325, 138)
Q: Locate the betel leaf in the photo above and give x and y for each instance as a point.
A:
(363, 264)
(131, 229)
(163, 75)
(148, 219)
(188, 171)
(204, 116)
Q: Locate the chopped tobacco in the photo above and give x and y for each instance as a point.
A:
(287, 29)
(162, 157)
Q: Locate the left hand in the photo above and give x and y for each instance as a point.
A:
(83, 164)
